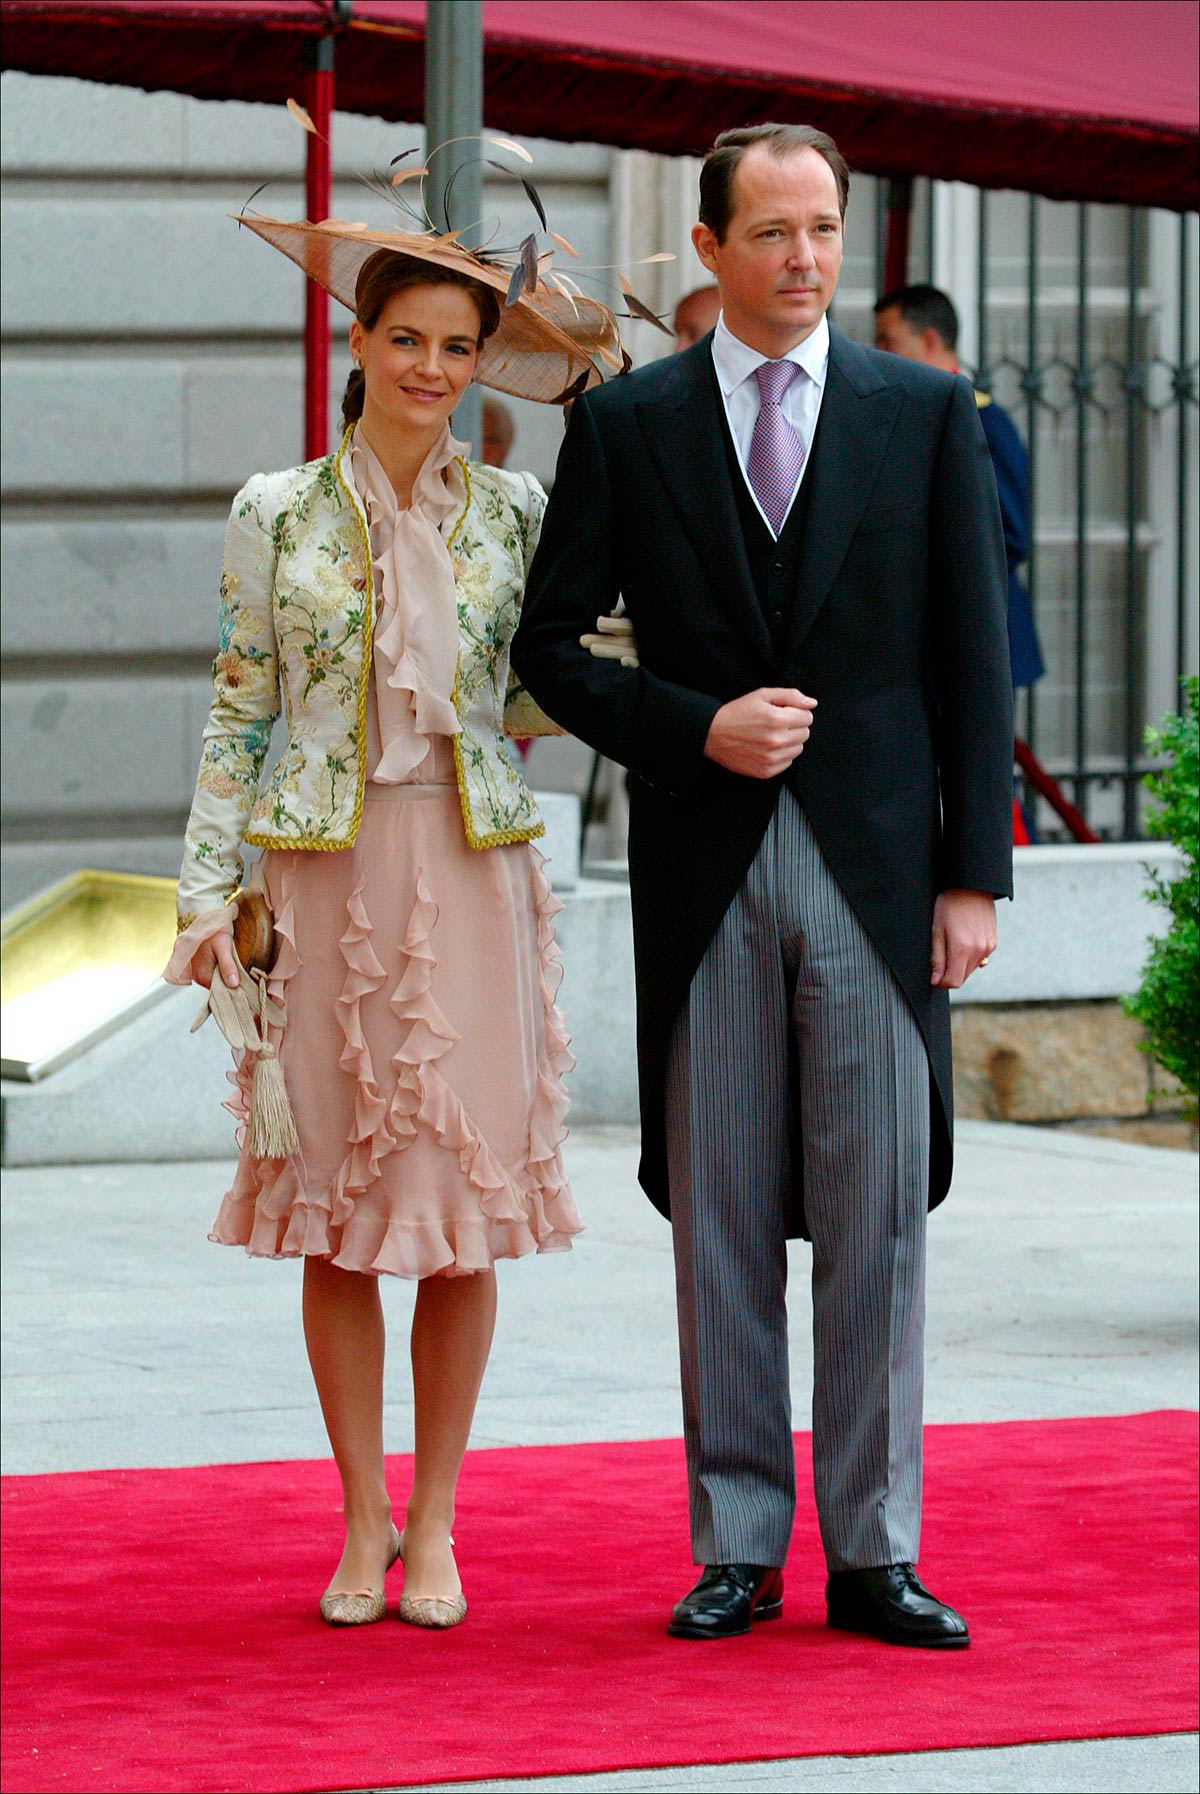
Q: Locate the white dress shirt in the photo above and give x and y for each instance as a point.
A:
(736, 362)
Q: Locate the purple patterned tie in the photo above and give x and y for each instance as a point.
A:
(776, 452)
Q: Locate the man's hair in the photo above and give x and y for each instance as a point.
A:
(925, 308)
(721, 163)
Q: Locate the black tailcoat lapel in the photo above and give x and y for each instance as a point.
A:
(682, 430)
(858, 418)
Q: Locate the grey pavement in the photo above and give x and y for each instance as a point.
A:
(1062, 1282)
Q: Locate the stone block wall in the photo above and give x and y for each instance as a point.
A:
(152, 360)
(1064, 1064)
(1040, 1035)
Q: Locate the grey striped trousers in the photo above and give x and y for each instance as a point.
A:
(795, 1036)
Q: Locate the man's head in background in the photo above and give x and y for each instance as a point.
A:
(695, 315)
(498, 432)
(920, 323)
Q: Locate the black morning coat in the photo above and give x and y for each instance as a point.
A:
(897, 628)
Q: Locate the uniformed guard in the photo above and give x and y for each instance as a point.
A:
(921, 323)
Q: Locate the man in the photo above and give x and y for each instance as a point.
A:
(920, 322)
(820, 732)
(498, 432)
(695, 315)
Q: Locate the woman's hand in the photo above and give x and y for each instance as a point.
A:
(615, 641)
(216, 954)
(204, 947)
(240, 1005)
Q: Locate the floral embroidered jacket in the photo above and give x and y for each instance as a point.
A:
(296, 617)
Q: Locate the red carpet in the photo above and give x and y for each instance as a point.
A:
(160, 1626)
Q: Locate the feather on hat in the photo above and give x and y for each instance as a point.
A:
(549, 342)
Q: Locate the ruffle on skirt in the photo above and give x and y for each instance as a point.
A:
(484, 1209)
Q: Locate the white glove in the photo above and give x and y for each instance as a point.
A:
(245, 1021)
(242, 1019)
(616, 640)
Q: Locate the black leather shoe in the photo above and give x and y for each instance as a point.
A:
(727, 1598)
(892, 1604)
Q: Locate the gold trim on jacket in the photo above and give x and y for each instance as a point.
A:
(298, 618)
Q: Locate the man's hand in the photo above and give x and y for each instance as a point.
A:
(761, 734)
(964, 936)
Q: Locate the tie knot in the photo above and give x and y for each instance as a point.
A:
(774, 378)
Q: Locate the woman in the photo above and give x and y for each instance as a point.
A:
(415, 978)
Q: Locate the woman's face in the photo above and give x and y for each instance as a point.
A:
(420, 357)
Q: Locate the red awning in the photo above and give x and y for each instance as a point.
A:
(1088, 99)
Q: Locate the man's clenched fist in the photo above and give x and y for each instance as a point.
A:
(761, 734)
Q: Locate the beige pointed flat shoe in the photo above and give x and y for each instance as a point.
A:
(434, 1611)
(363, 1606)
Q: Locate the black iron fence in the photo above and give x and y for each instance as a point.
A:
(1113, 383)
(1082, 324)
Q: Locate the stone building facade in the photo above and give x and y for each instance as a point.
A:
(152, 361)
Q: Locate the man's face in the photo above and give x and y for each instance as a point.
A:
(497, 433)
(778, 266)
(894, 333)
(695, 316)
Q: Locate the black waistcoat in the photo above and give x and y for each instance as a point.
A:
(773, 563)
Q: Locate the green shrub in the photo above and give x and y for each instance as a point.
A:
(1167, 1002)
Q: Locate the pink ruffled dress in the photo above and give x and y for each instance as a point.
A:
(423, 1052)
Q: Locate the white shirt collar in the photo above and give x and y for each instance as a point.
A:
(735, 360)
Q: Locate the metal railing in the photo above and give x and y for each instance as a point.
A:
(1110, 380)
(1098, 367)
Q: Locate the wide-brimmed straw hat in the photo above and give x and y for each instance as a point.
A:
(550, 344)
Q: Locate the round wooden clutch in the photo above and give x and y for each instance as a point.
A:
(254, 932)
